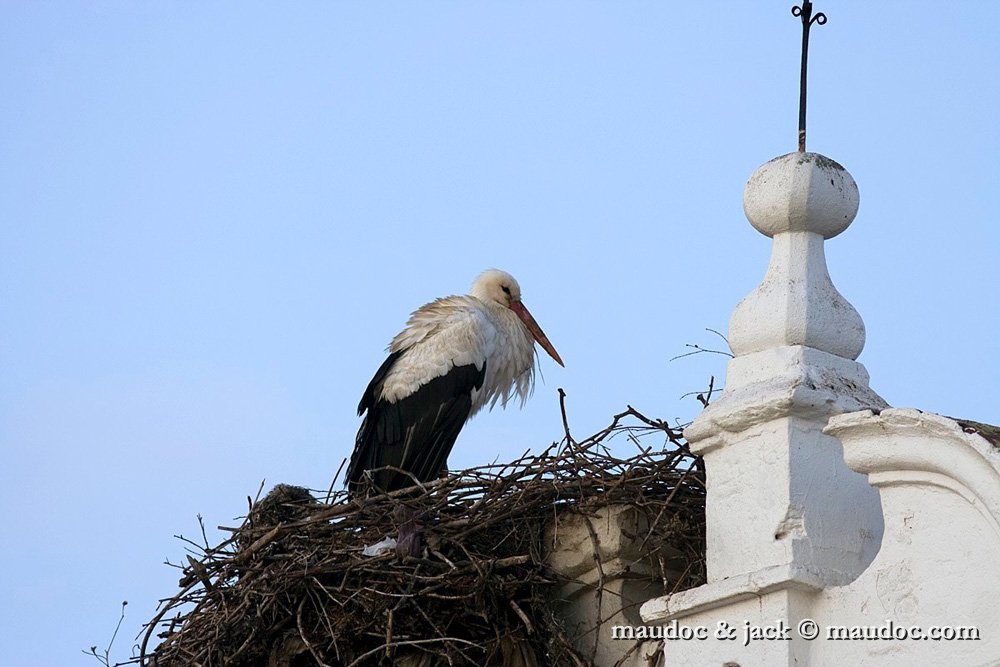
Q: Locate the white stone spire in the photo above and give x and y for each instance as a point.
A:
(795, 337)
(798, 200)
(785, 516)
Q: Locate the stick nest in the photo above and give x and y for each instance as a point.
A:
(291, 586)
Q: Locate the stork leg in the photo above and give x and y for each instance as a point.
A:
(410, 534)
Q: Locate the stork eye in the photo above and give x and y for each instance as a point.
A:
(506, 290)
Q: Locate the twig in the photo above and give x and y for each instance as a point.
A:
(698, 349)
(106, 658)
(565, 420)
(333, 482)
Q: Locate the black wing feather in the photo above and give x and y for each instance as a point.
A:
(414, 434)
(374, 387)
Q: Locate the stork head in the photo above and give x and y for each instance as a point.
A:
(494, 286)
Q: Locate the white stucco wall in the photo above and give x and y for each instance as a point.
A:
(939, 564)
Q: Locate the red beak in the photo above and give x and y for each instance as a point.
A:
(536, 331)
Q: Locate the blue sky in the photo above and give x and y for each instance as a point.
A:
(216, 215)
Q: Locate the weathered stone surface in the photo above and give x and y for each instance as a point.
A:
(600, 554)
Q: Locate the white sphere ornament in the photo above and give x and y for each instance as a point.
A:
(801, 192)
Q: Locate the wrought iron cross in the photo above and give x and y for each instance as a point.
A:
(805, 13)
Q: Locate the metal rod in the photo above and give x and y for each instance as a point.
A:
(805, 13)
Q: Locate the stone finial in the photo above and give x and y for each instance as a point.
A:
(798, 200)
(801, 192)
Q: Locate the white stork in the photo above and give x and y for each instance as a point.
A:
(456, 355)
